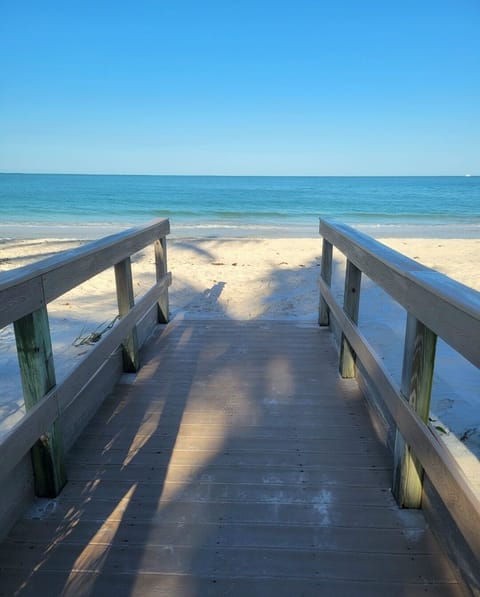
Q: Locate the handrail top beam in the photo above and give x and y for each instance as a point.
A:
(155, 229)
(455, 293)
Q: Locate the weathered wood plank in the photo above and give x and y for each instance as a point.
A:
(378, 497)
(37, 372)
(303, 461)
(130, 510)
(232, 535)
(237, 515)
(91, 584)
(314, 437)
(450, 309)
(24, 434)
(161, 271)
(444, 472)
(326, 274)
(25, 293)
(19, 299)
(417, 376)
(35, 356)
(333, 425)
(60, 273)
(351, 305)
(124, 404)
(125, 301)
(234, 562)
(322, 473)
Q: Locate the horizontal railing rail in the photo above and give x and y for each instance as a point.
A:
(436, 306)
(28, 288)
(24, 296)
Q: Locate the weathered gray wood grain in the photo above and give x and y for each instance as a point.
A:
(417, 376)
(450, 309)
(161, 271)
(20, 299)
(351, 305)
(25, 433)
(326, 274)
(235, 506)
(33, 285)
(125, 301)
(444, 472)
(37, 372)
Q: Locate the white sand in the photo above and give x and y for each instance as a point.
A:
(256, 279)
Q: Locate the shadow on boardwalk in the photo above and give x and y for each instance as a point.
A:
(236, 462)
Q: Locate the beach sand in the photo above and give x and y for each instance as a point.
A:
(257, 279)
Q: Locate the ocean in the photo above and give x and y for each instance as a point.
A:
(90, 206)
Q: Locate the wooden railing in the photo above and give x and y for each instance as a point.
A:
(436, 306)
(24, 296)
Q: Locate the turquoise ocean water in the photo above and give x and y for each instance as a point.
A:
(89, 206)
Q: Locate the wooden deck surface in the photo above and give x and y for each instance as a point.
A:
(236, 462)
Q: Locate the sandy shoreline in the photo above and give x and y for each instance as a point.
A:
(252, 279)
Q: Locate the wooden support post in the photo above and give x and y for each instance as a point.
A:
(35, 357)
(161, 269)
(326, 274)
(125, 300)
(417, 375)
(351, 304)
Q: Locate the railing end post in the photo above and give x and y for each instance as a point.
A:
(125, 300)
(35, 358)
(326, 275)
(417, 376)
(163, 308)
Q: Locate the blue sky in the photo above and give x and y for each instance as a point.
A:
(253, 87)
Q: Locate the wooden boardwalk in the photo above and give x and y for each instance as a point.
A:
(236, 462)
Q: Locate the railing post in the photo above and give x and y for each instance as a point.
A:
(326, 274)
(125, 301)
(161, 269)
(35, 357)
(351, 304)
(417, 375)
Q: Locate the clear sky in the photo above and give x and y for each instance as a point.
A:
(302, 87)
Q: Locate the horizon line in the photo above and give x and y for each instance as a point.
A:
(243, 175)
